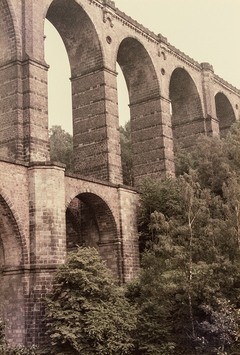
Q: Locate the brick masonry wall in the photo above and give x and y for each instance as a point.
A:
(47, 215)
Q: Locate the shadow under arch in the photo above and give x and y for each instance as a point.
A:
(90, 223)
(187, 113)
(225, 113)
(145, 108)
(12, 299)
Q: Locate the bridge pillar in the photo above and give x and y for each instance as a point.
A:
(130, 242)
(212, 122)
(11, 130)
(96, 136)
(151, 139)
(35, 111)
(23, 86)
(47, 241)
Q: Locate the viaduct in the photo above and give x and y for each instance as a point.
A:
(44, 211)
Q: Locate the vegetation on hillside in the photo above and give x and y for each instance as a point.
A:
(188, 292)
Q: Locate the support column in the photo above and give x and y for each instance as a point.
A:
(11, 115)
(151, 139)
(23, 85)
(47, 241)
(130, 243)
(24, 111)
(212, 122)
(96, 137)
(35, 111)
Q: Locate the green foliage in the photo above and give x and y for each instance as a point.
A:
(188, 289)
(61, 150)
(222, 324)
(61, 147)
(2, 332)
(86, 313)
(161, 196)
(126, 154)
(7, 349)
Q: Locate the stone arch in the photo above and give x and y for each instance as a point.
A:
(18, 230)
(12, 299)
(96, 148)
(138, 70)
(78, 34)
(145, 111)
(90, 222)
(225, 113)
(10, 236)
(187, 113)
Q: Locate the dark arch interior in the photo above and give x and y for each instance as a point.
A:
(187, 115)
(11, 283)
(225, 113)
(90, 223)
(11, 250)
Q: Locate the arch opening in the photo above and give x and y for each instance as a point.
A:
(59, 84)
(83, 50)
(225, 113)
(187, 113)
(123, 98)
(12, 301)
(144, 95)
(78, 34)
(125, 128)
(89, 79)
(90, 223)
(138, 71)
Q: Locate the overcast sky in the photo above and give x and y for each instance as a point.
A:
(206, 30)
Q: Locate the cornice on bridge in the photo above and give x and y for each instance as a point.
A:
(113, 13)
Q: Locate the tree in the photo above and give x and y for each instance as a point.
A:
(126, 154)
(86, 313)
(189, 231)
(61, 150)
(61, 147)
(189, 263)
(222, 324)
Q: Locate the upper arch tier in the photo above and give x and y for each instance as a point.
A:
(96, 35)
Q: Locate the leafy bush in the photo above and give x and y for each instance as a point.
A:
(6, 349)
(86, 313)
(187, 294)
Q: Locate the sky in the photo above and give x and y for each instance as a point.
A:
(205, 30)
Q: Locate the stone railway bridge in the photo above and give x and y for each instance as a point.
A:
(45, 212)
